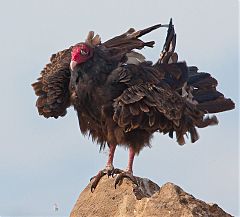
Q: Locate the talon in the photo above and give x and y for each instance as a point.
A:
(92, 178)
(123, 175)
(116, 171)
(92, 189)
(109, 171)
(116, 182)
(97, 179)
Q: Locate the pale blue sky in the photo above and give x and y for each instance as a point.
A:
(43, 162)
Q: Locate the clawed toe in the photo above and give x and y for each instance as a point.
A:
(109, 171)
(116, 171)
(123, 175)
(97, 178)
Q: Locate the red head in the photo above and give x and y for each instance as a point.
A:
(80, 54)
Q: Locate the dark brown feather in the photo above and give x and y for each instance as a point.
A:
(52, 88)
(124, 103)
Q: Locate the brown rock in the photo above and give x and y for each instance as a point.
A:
(147, 200)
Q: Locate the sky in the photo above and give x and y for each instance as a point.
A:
(47, 161)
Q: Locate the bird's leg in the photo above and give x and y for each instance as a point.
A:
(109, 166)
(128, 173)
(130, 160)
(108, 169)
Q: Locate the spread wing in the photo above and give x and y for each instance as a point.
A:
(147, 106)
(197, 87)
(167, 96)
(52, 87)
(117, 47)
(131, 38)
(156, 107)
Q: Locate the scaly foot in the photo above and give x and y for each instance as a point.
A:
(109, 171)
(125, 174)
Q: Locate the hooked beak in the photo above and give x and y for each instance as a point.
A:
(73, 65)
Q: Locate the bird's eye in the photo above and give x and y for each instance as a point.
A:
(84, 53)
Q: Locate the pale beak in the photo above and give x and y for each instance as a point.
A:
(73, 64)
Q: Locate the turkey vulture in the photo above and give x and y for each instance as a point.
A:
(122, 99)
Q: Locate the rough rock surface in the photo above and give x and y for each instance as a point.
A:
(147, 200)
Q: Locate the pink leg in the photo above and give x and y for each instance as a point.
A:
(108, 169)
(130, 160)
(110, 157)
(128, 173)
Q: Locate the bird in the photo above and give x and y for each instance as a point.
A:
(122, 99)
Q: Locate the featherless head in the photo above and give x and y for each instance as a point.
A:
(84, 51)
(80, 54)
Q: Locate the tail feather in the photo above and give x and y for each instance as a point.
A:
(199, 89)
(195, 77)
(202, 80)
(167, 55)
(215, 106)
(203, 90)
(206, 95)
(206, 83)
(194, 134)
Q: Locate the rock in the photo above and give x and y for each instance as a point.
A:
(147, 200)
